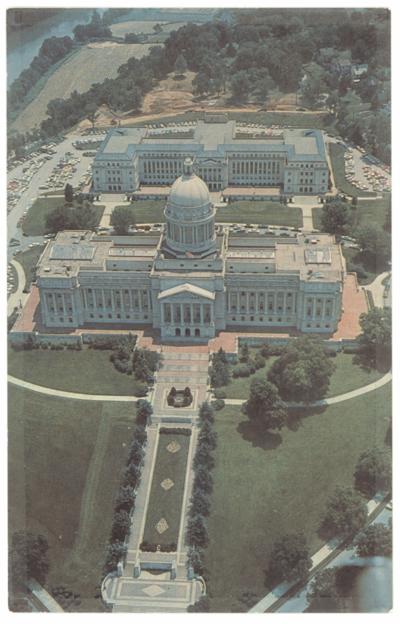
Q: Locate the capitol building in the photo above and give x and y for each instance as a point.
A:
(194, 278)
(226, 154)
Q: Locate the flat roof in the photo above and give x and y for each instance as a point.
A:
(209, 138)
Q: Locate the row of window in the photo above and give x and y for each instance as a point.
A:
(257, 167)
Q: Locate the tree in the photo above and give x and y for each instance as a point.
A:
(201, 84)
(323, 596)
(244, 355)
(115, 552)
(203, 480)
(240, 86)
(207, 435)
(120, 525)
(180, 66)
(201, 606)
(346, 512)
(195, 560)
(69, 193)
(303, 371)
(144, 411)
(290, 558)
(264, 405)
(197, 531)
(219, 374)
(373, 472)
(157, 28)
(92, 116)
(335, 217)
(121, 219)
(206, 412)
(200, 503)
(28, 558)
(136, 453)
(203, 457)
(375, 245)
(125, 498)
(375, 541)
(375, 339)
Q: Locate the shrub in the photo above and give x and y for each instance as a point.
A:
(148, 547)
(121, 365)
(176, 430)
(141, 390)
(219, 394)
(259, 361)
(241, 370)
(218, 404)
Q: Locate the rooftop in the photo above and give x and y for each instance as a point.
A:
(212, 138)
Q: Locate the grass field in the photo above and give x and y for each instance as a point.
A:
(146, 210)
(89, 371)
(34, 223)
(65, 462)
(367, 211)
(269, 485)
(266, 212)
(347, 376)
(28, 260)
(336, 153)
(167, 503)
(92, 63)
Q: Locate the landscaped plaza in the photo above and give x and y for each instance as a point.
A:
(194, 370)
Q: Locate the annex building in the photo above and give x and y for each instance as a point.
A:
(225, 154)
(193, 279)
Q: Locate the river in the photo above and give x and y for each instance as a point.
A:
(24, 44)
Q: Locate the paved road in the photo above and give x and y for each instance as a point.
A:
(298, 603)
(18, 297)
(38, 179)
(377, 289)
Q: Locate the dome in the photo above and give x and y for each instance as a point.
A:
(189, 214)
(189, 198)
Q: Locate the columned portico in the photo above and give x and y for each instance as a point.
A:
(187, 311)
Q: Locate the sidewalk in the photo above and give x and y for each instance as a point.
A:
(318, 558)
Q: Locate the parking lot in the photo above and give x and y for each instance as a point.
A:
(43, 173)
(363, 174)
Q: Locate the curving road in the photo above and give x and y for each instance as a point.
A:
(346, 396)
(64, 394)
(112, 397)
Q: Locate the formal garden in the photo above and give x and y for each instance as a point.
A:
(167, 488)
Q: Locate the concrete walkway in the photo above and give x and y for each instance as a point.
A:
(377, 289)
(306, 205)
(317, 559)
(18, 296)
(346, 396)
(64, 394)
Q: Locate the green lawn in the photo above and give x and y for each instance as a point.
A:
(347, 376)
(336, 153)
(367, 211)
(89, 371)
(34, 223)
(269, 485)
(29, 259)
(65, 463)
(266, 212)
(167, 503)
(146, 210)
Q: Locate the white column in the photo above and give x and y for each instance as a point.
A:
(201, 314)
